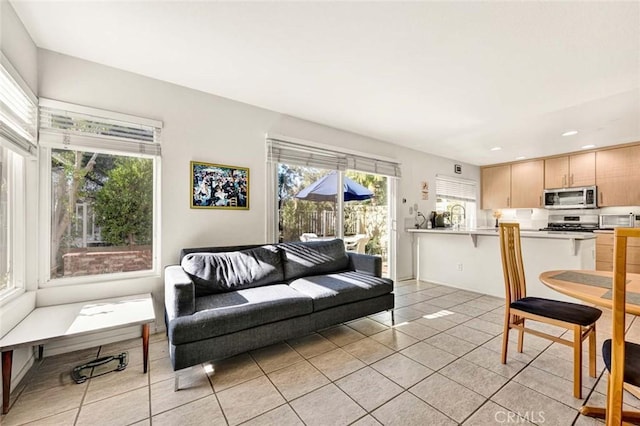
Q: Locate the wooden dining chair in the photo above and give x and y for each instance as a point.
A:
(621, 358)
(578, 318)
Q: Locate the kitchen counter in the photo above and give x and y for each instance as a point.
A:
(525, 233)
(470, 258)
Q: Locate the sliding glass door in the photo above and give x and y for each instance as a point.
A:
(308, 208)
(307, 203)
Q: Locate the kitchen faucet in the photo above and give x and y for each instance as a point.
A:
(460, 216)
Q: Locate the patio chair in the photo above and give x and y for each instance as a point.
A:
(580, 319)
(357, 243)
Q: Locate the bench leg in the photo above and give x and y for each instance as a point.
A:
(393, 317)
(40, 352)
(7, 360)
(176, 383)
(145, 346)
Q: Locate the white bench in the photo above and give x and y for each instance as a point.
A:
(49, 323)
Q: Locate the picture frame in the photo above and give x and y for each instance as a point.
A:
(219, 186)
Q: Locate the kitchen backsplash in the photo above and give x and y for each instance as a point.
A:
(538, 218)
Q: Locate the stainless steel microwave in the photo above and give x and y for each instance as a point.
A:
(610, 221)
(571, 198)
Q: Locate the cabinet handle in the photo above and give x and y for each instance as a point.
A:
(601, 198)
(571, 180)
(564, 180)
(508, 203)
(540, 201)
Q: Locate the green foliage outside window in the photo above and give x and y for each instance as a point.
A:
(124, 206)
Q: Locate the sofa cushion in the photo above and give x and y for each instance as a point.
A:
(228, 271)
(303, 259)
(344, 287)
(225, 313)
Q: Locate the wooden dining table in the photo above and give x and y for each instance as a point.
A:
(595, 287)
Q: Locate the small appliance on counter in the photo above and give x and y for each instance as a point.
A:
(572, 223)
(610, 221)
(443, 220)
(571, 198)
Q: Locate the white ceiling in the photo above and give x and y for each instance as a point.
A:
(448, 78)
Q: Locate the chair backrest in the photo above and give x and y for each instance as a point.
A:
(308, 236)
(620, 239)
(361, 245)
(514, 282)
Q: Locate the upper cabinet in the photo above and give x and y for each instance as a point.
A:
(616, 172)
(570, 171)
(618, 176)
(514, 186)
(496, 187)
(527, 180)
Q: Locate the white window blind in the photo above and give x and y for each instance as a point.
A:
(18, 112)
(453, 188)
(280, 151)
(69, 126)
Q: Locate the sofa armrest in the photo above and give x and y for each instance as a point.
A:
(367, 263)
(179, 292)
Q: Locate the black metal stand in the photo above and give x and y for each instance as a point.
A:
(78, 377)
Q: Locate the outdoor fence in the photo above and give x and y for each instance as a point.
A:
(369, 220)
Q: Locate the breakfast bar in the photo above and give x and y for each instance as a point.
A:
(470, 259)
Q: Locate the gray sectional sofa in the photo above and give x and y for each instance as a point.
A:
(222, 301)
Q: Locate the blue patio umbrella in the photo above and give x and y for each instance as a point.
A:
(325, 188)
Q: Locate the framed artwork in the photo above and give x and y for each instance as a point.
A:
(216, 186)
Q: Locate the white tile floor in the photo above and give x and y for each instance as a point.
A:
(439, 365)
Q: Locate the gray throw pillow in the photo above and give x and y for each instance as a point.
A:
(303, 259)
(228, 271)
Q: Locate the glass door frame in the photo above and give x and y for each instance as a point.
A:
(271, 228)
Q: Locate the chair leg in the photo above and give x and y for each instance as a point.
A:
(592, 352)
(577, 362)
(609, 414)
(505, 336)
(521, 336)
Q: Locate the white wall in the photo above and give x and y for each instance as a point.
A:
(417, 168)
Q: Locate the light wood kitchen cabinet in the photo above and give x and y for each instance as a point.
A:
(496, 187)
(618, 176)
(604, 253)
(517, 185)
(570, 171)
(527, 183)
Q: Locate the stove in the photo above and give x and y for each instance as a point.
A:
(572, 223)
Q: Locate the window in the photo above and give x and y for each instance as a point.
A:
(18, 117)
(457, 199)
(102, 172)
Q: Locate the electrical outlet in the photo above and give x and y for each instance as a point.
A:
(459, 266)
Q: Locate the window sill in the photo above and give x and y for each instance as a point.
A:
(9, 296)
(96, 279)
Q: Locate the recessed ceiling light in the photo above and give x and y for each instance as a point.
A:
(496, 148)
(570, 133)
(587, 146)
(522, 157)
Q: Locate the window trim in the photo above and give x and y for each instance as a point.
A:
(24, 149)
(17, 223)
